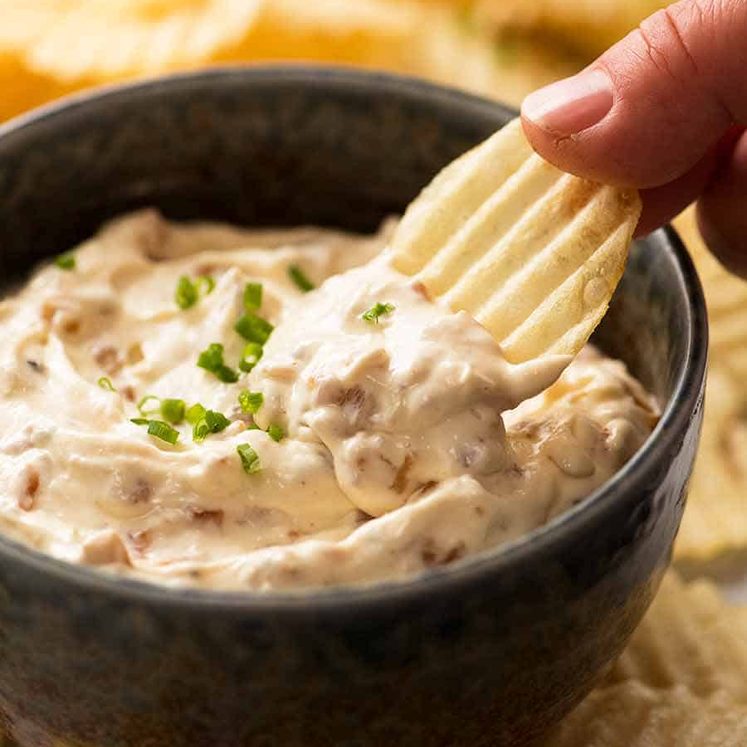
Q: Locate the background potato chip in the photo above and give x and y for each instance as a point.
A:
(51, 47)
(715, 521)
(587, 27)
(680, 682)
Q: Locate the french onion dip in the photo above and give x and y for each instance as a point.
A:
(230, 409)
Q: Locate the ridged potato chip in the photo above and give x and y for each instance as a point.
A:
(532, 253)
(76, 41)
(679, 683)
(588, 26)
(52, 47)
(715, 521)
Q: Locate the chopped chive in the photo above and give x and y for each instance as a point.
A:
(249, 459)
(211, 357)
(106, 383)
(172, 410)
(250, 356)
(159, 429)
(251, 401)
(200, 430)
(186, 293)
(211, 360)
(206, 284)
(194, 414)
(377, 310)
(252, 296)
(216, 421)
(226, 375)
(147, 398)
(275, 432)
(65, 261)
(210, 422)
(164, 431)
(253, 328)
(297, 275)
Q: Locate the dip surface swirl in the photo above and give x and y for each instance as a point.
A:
(383, 446)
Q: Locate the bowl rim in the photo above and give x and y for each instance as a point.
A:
(677, 413)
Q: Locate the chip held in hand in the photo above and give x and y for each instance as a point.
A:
(532, 253)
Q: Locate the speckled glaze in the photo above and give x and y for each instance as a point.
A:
(488, 652)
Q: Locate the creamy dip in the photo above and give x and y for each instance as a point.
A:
(382, 446)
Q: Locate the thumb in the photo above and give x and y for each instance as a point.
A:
(655, 105)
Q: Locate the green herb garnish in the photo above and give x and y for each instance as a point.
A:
(210, 422)
(211, 360)
(164, 431)
(205, 284)
(200, 430)
(296, 274)
(249, 459)
(377, 310)
(106, 383)
(253, 328)
(216, 421)
(194, 414)
(275, 432)
(147, 398)
(159, 429)
(172, 410)
(65, 261)
(188, 293)
(252, 296)
(250, 356)
(251, 401)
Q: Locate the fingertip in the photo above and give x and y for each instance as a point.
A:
(566, 152)
(571, 105)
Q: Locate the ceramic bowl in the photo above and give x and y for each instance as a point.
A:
(489, 651)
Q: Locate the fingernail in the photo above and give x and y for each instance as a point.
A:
(571, 105)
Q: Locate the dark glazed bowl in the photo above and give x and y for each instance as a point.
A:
(488, 652)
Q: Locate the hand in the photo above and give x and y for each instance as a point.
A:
(663, 110)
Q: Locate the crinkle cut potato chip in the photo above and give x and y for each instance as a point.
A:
(85, 41)
(680, 682)
(77, 41)
(532, 253)
(715, 521)
(52, 47)
(586, 26)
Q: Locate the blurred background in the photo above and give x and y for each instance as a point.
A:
(501, 49)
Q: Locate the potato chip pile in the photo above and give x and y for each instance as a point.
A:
(584, 27)
(52, 47)
(682, 682)
(715, 522)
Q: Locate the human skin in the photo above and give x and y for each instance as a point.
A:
(663, 110)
